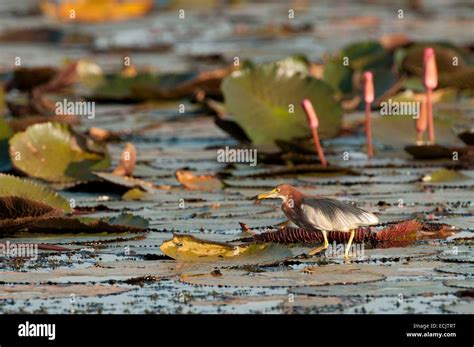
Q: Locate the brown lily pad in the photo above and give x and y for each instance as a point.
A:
(429, 151)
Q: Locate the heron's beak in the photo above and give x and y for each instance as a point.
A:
(272, 194)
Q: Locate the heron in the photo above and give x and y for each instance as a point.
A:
(318, 213)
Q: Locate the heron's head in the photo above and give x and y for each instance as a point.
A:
(283, 191)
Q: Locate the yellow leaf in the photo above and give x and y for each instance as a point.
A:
(95, 10)
(190, 248)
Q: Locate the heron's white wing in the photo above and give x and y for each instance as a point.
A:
(329, 214)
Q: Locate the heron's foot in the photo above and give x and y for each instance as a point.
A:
(347, 259)
(318, 250)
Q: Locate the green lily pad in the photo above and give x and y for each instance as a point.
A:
(260, 100)
(366, 55)
(5, 134)
(338, 76)
(141, 87)
(399, 131)
(444, 175)
(52, 152)
(128, 219)
(14, 186)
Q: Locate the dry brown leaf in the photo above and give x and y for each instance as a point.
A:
(200, 182)
(128, 160)
(17, 212)
(393, 41)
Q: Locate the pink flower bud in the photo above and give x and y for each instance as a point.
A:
(430, 70)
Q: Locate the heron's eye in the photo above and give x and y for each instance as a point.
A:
(278, 190)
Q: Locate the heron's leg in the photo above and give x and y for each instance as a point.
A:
(321, 248)
(349, 244)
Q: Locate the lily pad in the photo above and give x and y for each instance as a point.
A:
(399, 131)
(379, 289)
(359, 56)
(261, 99)
(467, 283)
(444, 175)
(5, 134)
(15, 186)
(13, 207)
(126, 182)
(326, 275)
(458, 269)
(107, 271)
(125, 223)
(17, 213)
(49, 291)
(51, 151)
(143, 86)
(191, 249)
(465, 307)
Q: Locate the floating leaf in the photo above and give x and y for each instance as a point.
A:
(25, 78)
(399, 234)
(400, 130)
(51, 151)
(444, 175)
(379, 289)
(366, 55)
(458, 269)
(192, 249)
(467, 137)
(435, 151)
(114, 270)
(143, 86)
(128, 160)
(128, 219)
(126, 182)
(5, 134)
(198, 182)
(50, 291)
(124, 223)
(338, 76)
(14, 186)
(330, 274)
(259, 99)
(95, 11)
(14, 207)
(133, 194)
